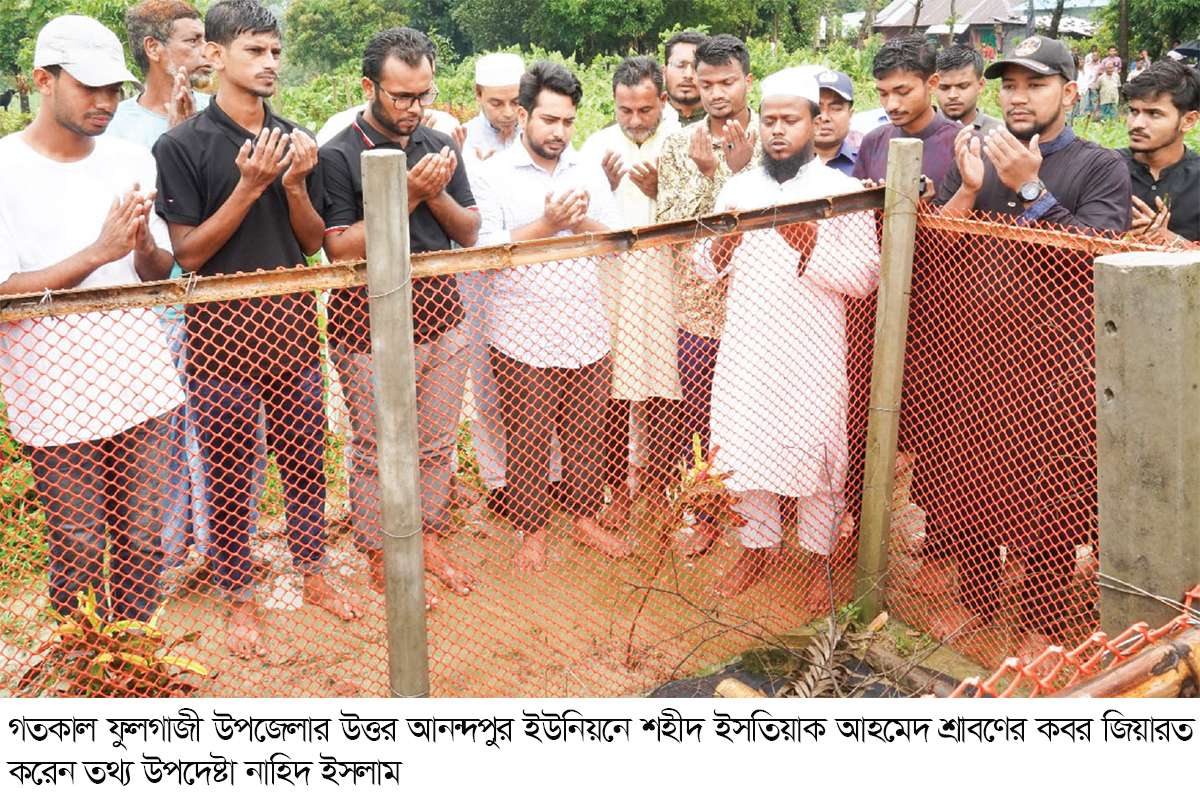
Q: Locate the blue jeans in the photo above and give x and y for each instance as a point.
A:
(228, 413)
(186, 500)
(106, 497)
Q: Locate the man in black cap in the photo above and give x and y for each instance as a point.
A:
(1036, 168)
(832, 128)
(1016, 465)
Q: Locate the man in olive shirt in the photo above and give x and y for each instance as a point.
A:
(1164, 104)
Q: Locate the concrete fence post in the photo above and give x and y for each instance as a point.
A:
(385, 203)
(1148, 433)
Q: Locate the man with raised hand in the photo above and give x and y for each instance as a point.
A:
(1164, 105)
(779, 397)
(905, 70)
(90, 395)
(960, 80)
(239, 186)
(679, 76)
(637, 290)
(494, 129)
(549, 337)
(694, 164)
(398, 72)
(166, 38)
(1035, 485)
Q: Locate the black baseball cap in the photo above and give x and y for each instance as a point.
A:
(1040, 54)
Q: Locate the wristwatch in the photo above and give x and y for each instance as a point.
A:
(1031, 191)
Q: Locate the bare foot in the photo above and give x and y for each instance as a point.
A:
(375, 560)
(933, 578)
(457, 579)
(588, 532)
(322, 593)
(950, 623)
(697, 543)
(616, 514)
(746, 571)
(243, 631)
(532, 555)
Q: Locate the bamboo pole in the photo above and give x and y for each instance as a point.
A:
(900, 207)
(389, 287)
(1168, 668)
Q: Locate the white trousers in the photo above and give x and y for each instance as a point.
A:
(818, 518)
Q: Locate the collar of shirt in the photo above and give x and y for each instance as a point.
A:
(373, 138)
(236, 133)
(1058, 143)
(847, 151)
(521, 158)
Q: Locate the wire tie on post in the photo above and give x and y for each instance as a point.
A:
(390, 535)
(46, 299)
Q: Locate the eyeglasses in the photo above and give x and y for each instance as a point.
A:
(402, 102)
(681, 63)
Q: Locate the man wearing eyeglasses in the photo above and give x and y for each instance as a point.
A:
(398, 69)
(679, 74)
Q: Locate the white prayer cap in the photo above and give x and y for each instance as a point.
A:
(793, 82)
(499, 69)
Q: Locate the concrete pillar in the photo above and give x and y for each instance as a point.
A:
(1148, 432)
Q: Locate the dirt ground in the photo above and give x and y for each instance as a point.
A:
(565, 632)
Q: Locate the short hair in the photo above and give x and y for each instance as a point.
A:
(229, 19)
(550, 77)
(406, 44)
(719, 50)
(683, 37)
(637, 69)
(960, 56)
(156, 19)
(1166, 77)
(911, 53)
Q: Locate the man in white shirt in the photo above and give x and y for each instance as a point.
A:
(549, 338)
(493, 131)
(779, 396)
(88, 395)
(637, 288)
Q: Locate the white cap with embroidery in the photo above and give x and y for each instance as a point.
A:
(793, 82)
(499, 69)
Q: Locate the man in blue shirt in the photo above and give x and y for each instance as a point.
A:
(831, 130)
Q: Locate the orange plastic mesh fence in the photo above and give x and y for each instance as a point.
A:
(633, 467)
(1059, 668)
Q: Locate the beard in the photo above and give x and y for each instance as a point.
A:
(539, 148)
(784, 169)
(200, 80)
(378, 111)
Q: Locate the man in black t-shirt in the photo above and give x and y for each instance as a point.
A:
(238, 187)
(1164, 104)
(398, 66)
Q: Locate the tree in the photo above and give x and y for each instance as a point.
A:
(1155, 23)
(323, 35)
(1056, 19)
